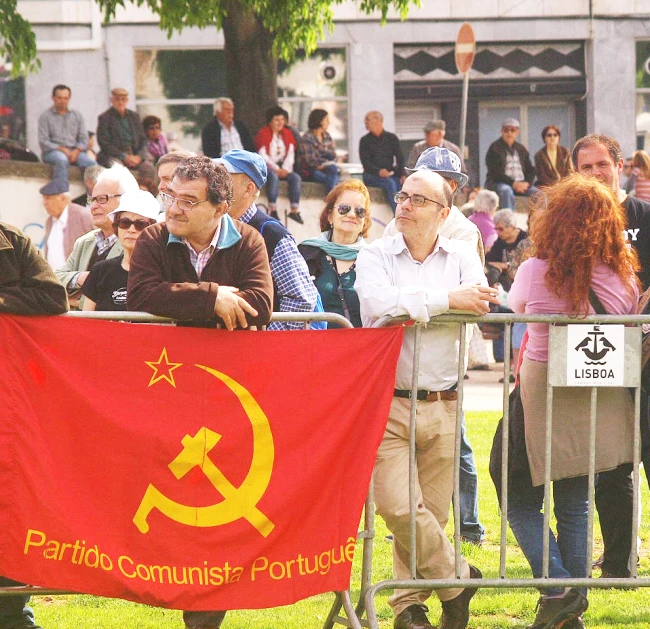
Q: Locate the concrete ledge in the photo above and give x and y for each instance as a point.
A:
(33, 170)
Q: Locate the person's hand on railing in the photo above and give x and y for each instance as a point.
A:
(232, 309)
(473, 297)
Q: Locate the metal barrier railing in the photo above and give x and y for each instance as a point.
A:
(503, 581)
(368, 590)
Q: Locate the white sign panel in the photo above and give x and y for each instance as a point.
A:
(595, 355)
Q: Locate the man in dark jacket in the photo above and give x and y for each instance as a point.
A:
(223, 133)
(120, 134)
(28, 286)
(510, 171)
(382, 157)
(201, 265)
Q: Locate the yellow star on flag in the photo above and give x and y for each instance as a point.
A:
(163, 369)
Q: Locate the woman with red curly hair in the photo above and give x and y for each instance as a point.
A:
(578, 244)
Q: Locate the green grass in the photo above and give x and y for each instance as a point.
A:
(609, 609)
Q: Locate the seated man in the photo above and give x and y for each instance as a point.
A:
(382, 157)
(120, 134)
(510, 171)
(434, 135)
(223, 133)
(62, 135)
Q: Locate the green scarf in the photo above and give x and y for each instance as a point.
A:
(340, 252)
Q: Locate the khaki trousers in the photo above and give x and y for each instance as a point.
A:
(435, 432)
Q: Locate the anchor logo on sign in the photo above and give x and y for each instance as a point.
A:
(238, 502)
(598, 349)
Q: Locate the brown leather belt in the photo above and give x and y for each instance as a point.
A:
(428, 396)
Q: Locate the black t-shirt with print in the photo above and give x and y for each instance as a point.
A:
(106, 284)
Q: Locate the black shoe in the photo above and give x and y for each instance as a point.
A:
(557, 612)
(511, 379)
(274, 214)
(471, 540)
(413, 617)
(455, 613)
(296, 217)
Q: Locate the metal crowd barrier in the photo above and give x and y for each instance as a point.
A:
(633, 358)
(366, 603)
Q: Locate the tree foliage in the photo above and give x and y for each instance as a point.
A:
(17, 39)
(293, 24)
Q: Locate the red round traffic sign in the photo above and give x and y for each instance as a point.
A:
(465, 48)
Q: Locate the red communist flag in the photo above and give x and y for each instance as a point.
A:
(187, 468)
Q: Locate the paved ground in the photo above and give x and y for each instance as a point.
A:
(482, 391)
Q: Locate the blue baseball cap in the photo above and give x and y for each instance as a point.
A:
(442, 161)
(240, 162)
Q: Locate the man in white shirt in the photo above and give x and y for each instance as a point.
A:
(65, 223)
(456, 226)
(420, 274)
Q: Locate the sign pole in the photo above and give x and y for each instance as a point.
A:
(464, 53)
(463, 116)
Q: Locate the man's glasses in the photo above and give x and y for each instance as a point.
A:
(552, 135)
(510, 129)
(140, 223)
(101, 198)
(417, 200)
(345, 208)
(182, 204)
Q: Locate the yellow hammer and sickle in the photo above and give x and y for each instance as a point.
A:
(239, 502)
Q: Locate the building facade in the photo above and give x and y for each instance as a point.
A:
(579, 64)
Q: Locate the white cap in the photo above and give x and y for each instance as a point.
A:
(138, 202)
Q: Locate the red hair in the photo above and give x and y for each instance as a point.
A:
(579, 224)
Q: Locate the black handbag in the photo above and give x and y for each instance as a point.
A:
(518, 468)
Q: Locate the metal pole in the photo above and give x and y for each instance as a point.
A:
(504, 450)
(463, 116)
(593, 413)
(459, 417)
(412, 463)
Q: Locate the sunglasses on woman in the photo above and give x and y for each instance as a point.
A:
(345, 208)
(140, 223)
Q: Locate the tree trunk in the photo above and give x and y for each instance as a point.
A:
(251, 66)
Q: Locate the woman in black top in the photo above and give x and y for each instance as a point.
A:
(105, 287)
(331, 257)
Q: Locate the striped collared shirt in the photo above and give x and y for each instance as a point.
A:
(200, 259)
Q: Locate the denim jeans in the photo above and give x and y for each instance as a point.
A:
(507, 194)
(273, 185)
(470, 527)
(329, 176)
(567, 552)
(61, 164)
(390, 185)
(13, 609)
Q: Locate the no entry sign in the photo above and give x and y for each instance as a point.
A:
(465, 48)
